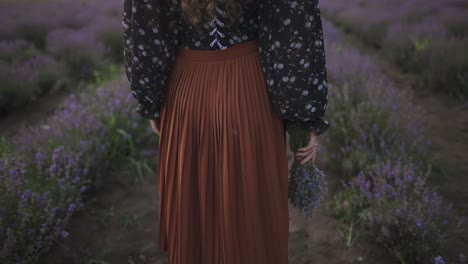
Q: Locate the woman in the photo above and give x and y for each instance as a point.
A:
(220, 81)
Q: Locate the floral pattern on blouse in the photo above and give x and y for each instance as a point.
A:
(150, 35)
(291, 49)
(293, 55)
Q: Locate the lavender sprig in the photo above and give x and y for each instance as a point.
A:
(307, 184)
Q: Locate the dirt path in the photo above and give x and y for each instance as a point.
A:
(120, 226)
(31, 113)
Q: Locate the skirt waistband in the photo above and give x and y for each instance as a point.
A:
(216, 55)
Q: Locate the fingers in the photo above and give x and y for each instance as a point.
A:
(307, 158)
(155, 126)
(310, 145)
(302, 154)
(156, 131)
(308, 153)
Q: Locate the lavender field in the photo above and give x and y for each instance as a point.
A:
(381, 147)
(52, 45)
(396, 169)
(426, 38)
(45, 170)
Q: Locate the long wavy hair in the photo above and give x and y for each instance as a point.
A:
(196, 12)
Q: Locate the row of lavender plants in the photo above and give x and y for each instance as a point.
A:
(51, 45)
(377, 143)
(47, 170)
(427, 38)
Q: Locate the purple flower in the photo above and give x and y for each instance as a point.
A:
(150, 152)
(418, 222)
(61, 181)
(438, 260)
(64, 234)
(385, 232)
(307, 186)
(71, 207)
(53, 169)
(76, 180)
(26, 194)
(40, 157)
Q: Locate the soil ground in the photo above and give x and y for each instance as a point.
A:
(120, 226)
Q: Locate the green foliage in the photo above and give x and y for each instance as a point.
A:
(347, 204)
(349, 233)
(140, 166)
(5, 147)
(297, 138)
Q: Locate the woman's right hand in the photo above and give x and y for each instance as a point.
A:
(308, 152)
(155, 126)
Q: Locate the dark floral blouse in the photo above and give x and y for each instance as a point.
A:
(291, 49)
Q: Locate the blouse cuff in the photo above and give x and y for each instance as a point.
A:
(148, 111)
(318, 127)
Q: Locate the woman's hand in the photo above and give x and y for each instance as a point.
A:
(308, 152)
(155, 126)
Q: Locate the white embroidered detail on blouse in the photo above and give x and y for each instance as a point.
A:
(216, 30)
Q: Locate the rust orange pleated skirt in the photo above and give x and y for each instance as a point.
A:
(222, 165)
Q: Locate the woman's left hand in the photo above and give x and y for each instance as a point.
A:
(155, 126)
(308, 153)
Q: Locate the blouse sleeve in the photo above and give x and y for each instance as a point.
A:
(293, 59)
(150, 37)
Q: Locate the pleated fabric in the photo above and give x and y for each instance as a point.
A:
(222, 165)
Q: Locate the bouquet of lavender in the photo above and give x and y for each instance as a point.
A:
(307, 183)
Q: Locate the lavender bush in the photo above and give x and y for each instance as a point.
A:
(372, 119)
(46, 170)
(70, 40)
(426, 38)
(38, 198)
(377, 143)
(402, 212)
(306, 184)
(81, 52)
(23, 81)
